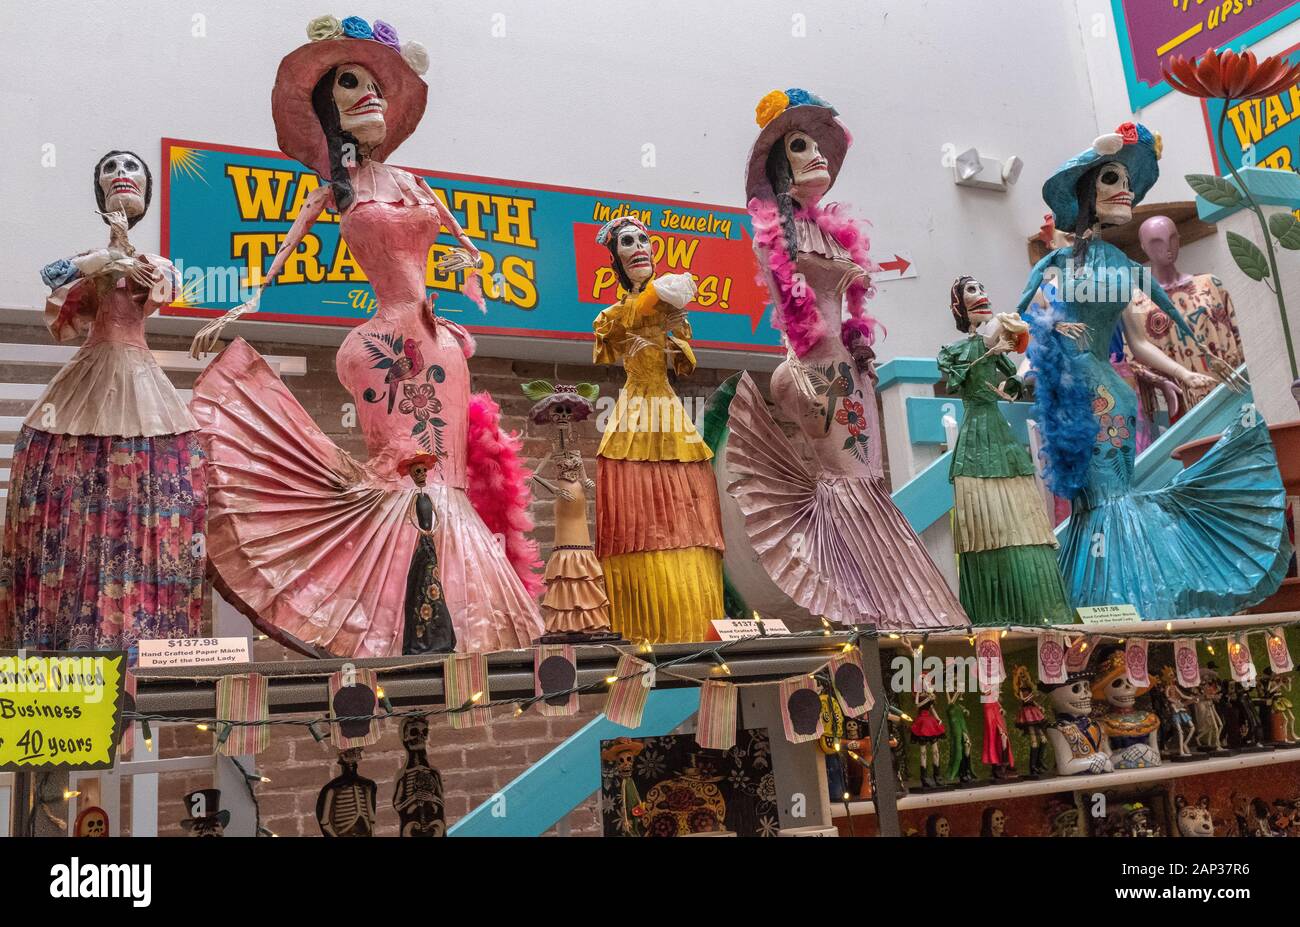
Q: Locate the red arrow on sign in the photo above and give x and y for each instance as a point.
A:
(899, 263)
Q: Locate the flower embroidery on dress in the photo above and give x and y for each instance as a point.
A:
(401, 360)
(1114, 429)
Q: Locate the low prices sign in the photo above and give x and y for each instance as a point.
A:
(1151, 31)
(226, 210)
(60, 709)
(1257, 133)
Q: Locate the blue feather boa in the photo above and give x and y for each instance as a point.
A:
(1062, 402)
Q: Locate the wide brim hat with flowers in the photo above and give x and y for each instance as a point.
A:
(375, 47)
(1132, 144)
(784, 111)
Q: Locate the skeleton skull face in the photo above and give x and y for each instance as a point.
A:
(997, 822)
(976, 301)
(94, 823)
(634, 254)
(415, 733)
(1072, 699)
(1121, 694)
(942, 828)
(623, 765)
(361, 104)
(809, 170)
(122, 180)
(419, 472)
(210, 827)
(1114, 195)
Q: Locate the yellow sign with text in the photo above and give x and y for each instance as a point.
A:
(60, 709)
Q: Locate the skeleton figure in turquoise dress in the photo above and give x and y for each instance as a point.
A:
(1214, 540)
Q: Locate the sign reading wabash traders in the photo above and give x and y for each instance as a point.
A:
(1151, 31)
(1258, 133)
(60, 709)
(226, 211)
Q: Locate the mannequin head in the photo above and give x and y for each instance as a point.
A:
(1159, 239)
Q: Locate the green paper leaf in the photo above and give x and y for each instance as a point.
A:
(588, 391)
(849, 442)
(1286, 229)
(1215, 189)
(537, 389)
(1248, 256)
(419, 427)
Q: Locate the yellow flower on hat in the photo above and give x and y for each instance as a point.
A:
(1159, 145)
(771, 106)
(324, 27)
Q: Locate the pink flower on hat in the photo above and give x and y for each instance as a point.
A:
(1128, 132)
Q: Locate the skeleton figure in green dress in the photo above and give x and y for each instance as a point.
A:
(1005, 546)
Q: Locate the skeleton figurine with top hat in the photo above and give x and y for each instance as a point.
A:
(575, 607)
(206, 817)
(1077, 740)
(1164, 550)
(339, 560)
(821, 539)
(658, 528)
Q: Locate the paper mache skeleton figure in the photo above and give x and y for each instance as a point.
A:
(91, 822)
(628, 807)
(1077, 740)
(206, 819)
(1132, 734)
(346, 806)
(1194, 820)
(1179, 703)
(1277, 693)
(104, 531)
(1205, 711)
(928, 731)
(417, 794)
(429, 626)
(1031, 719)
(575, 607)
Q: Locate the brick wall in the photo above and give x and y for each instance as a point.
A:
(474, 763)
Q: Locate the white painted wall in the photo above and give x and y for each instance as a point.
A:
(573, 90)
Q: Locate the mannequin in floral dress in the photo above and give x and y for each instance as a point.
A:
(104, 530)
(826, 533)
(314, 546)
(658, 527)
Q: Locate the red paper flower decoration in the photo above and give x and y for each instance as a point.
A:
(1229, 76)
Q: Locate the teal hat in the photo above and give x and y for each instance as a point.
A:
(1132, 144)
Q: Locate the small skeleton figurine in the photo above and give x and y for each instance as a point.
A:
(1205, 711)
(206, 817)
(91, 822)
(1246, 727)
(1132, 733)
(1194, 820)
(1031, 719)
(346, 806)
(1076, 739)
(575, 607)
(620, 762)
(1277, 693)
(928, 730)
(428, 626)
(1180, 718)
(417, 795)
(993, 822)
(959, 746)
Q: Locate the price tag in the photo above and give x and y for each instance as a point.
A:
(729, 630)
(199, 651)
(1108, 614)
(60, 709)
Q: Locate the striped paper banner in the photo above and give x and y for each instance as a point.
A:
(353, 693)
(715, 727)
(627, 697)
(1279, 655)
(555, 669)
(243, 698)
(463, 675)
(850, 680)
(801, 709)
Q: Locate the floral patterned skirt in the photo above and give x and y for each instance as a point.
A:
(103, 541)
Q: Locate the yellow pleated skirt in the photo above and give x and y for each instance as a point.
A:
(665, 595)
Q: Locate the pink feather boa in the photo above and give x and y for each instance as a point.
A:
(796, 311)
(498, 487)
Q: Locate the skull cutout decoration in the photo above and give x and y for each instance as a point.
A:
(123, 184)
(810, 175)
(1114, 194)
(91, 822)
(361, 104)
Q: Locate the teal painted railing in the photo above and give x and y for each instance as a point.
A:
(568, 775)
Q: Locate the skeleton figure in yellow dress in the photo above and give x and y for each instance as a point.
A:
(658, 527)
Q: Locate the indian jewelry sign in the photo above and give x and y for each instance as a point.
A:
(226, 210)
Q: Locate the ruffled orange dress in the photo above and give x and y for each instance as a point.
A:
(575, 599)
(658, 526)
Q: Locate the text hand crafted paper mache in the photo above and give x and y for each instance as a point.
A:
(314, 546)
(104, 540)
(1213, 541)
(827, 535)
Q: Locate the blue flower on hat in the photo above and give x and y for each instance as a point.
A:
(354, 27)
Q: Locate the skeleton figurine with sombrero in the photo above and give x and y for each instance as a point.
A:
(326, 566)
(1212, 542)
(819, 540)
(575, 607)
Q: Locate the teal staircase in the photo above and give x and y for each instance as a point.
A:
(568, 775)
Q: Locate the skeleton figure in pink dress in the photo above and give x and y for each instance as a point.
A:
(314, 546)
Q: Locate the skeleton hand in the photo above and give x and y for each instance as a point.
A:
(1075, 331)
(1225, 373)
(1100, 763)
(590, 484)
(999, 389)
(117, 221)
(144, 274)
(210, 334)
(562, 493)
(458, 259)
